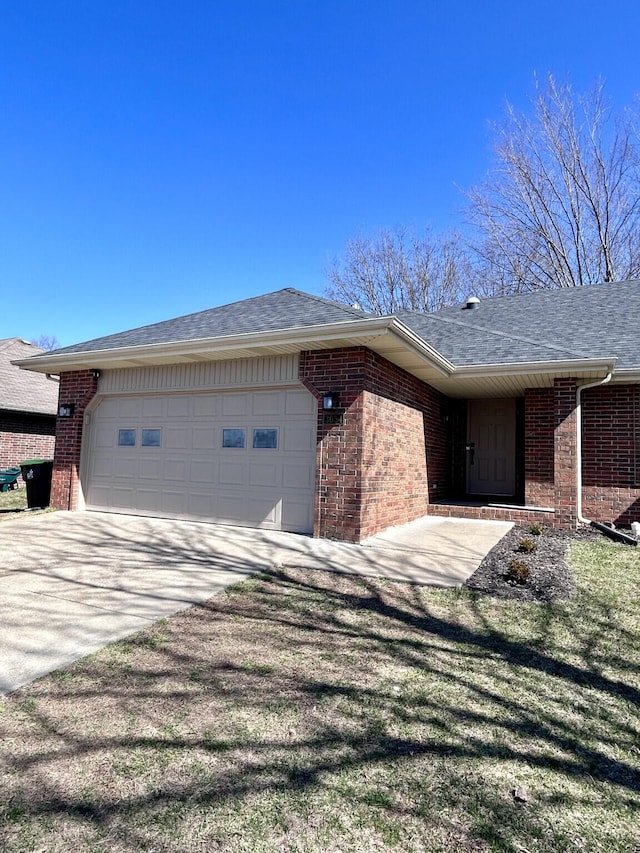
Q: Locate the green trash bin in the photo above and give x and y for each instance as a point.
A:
(37, 475)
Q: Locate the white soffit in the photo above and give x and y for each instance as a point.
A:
(511, 380)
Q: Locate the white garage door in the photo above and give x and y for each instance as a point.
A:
(245, 458)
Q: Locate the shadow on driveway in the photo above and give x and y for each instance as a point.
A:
(71, 583)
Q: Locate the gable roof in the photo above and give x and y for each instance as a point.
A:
(24, 392)
(500, 347)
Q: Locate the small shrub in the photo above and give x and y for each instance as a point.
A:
(518, 572)
(536, 529)
(527, 546)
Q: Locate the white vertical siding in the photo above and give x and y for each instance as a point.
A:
(242, 373)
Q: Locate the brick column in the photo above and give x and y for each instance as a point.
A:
(339, 445)
(77, 387)
(565, 450)
(539, 428)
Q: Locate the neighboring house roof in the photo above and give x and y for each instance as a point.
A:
(501, 346)
(20, 391)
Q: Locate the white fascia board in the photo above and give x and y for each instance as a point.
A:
(574, 365)
(249, 340)
(304, 336)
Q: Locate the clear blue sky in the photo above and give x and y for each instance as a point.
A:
(159, 158)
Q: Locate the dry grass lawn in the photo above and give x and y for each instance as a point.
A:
(12, 501)
(304, 711)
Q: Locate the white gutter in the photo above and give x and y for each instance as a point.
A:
(579, 390)
(525, 368)
(627, 374)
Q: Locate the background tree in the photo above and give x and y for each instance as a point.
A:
(47, 342)
(561, 207)
(401, 270)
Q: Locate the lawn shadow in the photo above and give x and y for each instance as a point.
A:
(379, 698)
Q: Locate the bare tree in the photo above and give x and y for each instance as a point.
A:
(400, 270)
(47, 342)
(561, 207)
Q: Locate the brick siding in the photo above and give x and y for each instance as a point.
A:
(24, 436)
(484, 512)
(77, 387)
(388, 458)
(610, 453)
(565, 447)
(539, 422)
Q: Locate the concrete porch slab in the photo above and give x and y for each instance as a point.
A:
(434, 551)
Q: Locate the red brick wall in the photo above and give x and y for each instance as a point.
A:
(25, 437)
(539, 423)
(611, 453)
(394, 464)
(392, 383)
(565, 445)
(388, 457)
(77, 387)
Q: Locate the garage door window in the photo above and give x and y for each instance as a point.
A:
(151, 437)
(127, 438)
(265, 439)
(233, 438)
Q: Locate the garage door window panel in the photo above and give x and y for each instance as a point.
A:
(234, 438)
(127, 438)
(265, 439)
(151, 437)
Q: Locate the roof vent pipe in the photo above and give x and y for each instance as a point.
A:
(472, 302)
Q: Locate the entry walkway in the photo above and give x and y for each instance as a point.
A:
(72, 582)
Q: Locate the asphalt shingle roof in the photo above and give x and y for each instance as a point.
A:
(283, 309)
(600, 320)
(22, 390)
(597, 321)
(464, 344)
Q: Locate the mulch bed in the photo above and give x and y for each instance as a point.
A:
(539, 575)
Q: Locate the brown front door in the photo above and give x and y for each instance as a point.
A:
(491, 447)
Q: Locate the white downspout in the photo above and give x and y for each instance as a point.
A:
(579, 390)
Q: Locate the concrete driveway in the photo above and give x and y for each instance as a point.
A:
(70, 583)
